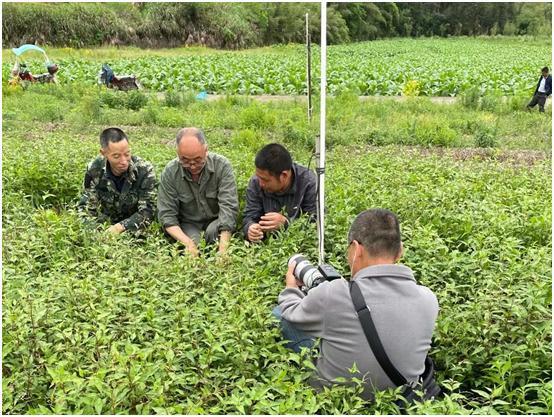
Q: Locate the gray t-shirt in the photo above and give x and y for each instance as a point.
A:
(404, 314)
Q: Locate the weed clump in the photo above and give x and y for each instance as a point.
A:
(132, 100)
(485, 138)
(257, 117)
(430, 133)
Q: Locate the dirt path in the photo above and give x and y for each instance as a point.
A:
(271, 98)
(514, 157)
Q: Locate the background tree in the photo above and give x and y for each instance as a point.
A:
(245, 25)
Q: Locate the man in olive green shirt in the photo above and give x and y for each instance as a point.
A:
(198, 193)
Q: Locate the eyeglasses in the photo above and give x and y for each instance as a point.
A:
(188, 163)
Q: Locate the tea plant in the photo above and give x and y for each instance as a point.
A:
(97, 324)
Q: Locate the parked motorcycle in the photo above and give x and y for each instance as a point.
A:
(21, 73)
(118, 82)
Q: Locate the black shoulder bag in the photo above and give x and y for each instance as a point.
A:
(426, 382)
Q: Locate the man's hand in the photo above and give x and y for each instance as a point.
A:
(192, 249)
(272, 221)
(224, 240)
(177, 233)
(116, 228)
(290, 280)
(255, 233)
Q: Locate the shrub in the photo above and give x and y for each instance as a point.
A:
(485, 138)
(135, 100)
(256, 117)
(430, 133)
(471, 98)
(491, 101)
(172, 99)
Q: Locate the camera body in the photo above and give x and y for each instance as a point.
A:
(310, 275)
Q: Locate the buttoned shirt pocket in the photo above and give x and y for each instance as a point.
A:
(187, 205)
(213, 202)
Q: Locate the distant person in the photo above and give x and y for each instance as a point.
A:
(119, 188)
(402, 311)
(198, 194)
(543, 90)
(278, 193)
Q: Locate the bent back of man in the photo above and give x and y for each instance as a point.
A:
(404, 315)
(403, 312)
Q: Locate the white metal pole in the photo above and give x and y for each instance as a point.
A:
(321, 150)
(309, 68)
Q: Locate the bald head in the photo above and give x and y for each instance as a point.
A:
(190, 132)
(192, 149)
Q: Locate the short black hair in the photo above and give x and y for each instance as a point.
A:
(273, 158)
(378, 231)
(545, 69)
(112, 134)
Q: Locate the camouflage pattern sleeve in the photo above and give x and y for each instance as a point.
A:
(89, 204)
(146, 199)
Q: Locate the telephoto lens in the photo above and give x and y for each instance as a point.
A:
(304, 271)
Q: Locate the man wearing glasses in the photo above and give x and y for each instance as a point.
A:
(198, 194)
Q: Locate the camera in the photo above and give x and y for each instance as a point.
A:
(310, 275)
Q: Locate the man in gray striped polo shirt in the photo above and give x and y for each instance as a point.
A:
(278, 193)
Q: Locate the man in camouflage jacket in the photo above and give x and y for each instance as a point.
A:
(119, 188)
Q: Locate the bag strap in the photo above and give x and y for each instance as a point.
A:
(364, 314)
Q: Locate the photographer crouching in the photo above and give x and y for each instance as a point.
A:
(388, 341)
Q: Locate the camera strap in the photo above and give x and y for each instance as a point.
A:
(364, 314)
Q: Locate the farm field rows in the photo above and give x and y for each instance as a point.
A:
(271, 70)
(100, 324)
(427, 67)
(438, 67)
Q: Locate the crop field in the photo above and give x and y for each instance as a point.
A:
(438, 67)
(413, 67)
(274, 70)
(100, 324)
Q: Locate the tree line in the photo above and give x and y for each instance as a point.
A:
(369, 21)
(245, 25)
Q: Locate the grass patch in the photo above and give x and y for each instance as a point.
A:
(100, 324)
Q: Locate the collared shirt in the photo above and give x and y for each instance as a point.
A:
(132, 206)
(542, 85)
(299, 198)
(214, 196)
(404, 314)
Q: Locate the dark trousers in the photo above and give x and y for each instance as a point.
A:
(296, 339)
(540, 99)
